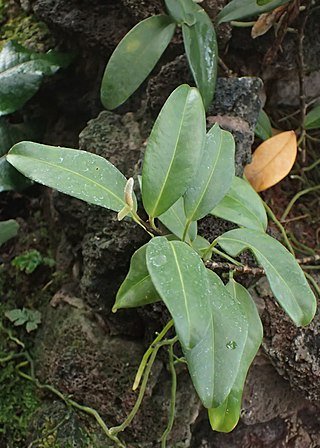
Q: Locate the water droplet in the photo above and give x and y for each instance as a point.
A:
(159, 260)
(231, 345)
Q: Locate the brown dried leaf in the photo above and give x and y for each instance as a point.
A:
(266, 21)
(272, 161)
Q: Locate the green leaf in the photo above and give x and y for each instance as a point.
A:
(214, 176)
(179, 276)
(173, 151)
(201, 48)
(10, 178)
(214, 362)
(225, 417)
(28, 261)
(201, 245)
(243, 206)
(21, 74)
(263, 2)
(78, 173)
(241, 9)
(137, 288)
(182, 11)
(16, 315)
(263, 128)
(174, 219)
(312, 119)
(134, 58)
(285, 276)
(8, 230)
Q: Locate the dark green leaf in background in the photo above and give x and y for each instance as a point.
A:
(8, 230)
(263, 128)
(180, 278)
(174, 219)
(134, 58)
(312, 119)
(225, 417)
(173, 151)
(137, 288)
(21, 74)
(10, 178)
(201, 48)
(241, 9)
(243, 206)
(214, 362)
(214, 176)
(284, 274)
(80, 174)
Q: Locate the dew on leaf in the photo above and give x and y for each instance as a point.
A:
(231, 345)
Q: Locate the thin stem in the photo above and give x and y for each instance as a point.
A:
(295, 198)
(128, 420)
(227, 257)
(148, 353)
(238, 24)
(186, 230)
(173, 398)
(273, 217)
(136, 218)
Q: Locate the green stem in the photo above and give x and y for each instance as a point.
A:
(186, 230)
(295, 198)
(273, 217)
(227, 257)
(173, 398)
(136, 218)
(148, 353)
(116, 429)
(238, 24)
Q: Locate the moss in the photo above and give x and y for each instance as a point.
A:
(23, 28)
(18, 402)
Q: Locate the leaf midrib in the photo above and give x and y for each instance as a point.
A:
(172, 158)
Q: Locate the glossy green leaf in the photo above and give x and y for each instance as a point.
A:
(243, 206)
(137, 288)
(214, 362)
(134, 58)
(180, 278)
(173, 151)
(241, 9)
(214, 176)
(10, 178)
(263, 128)
(174, 219)
(8, 230)
(312, 119)
(225, 417)
(284, 274)
(201, 48)
(182, 11)
(78, 173)
(21, 74)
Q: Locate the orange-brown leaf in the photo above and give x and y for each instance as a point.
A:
(266, 21)
(272, 161)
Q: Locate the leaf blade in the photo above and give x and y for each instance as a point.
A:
(241, 9)
(173, 150)
(80, 174)
(214, 176)
(214, 362)
(137, 288)
(134, 58)
(179, 276)
(312, 119)
(201, 48)
(272, 160)
(8, 229)
(263, 128)
(286, 278)
(243, 206)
